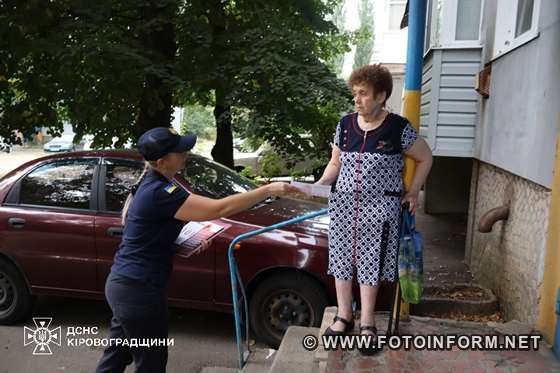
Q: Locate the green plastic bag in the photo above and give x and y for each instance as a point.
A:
(410, 259)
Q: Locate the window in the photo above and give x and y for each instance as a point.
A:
(468, 19)
(460, 22)
(396, 12)
(524, 16)
(434, 17)
(213, 180)
(120, 176)
(65, 183)
(516, 24)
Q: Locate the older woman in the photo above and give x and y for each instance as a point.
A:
(367, 159)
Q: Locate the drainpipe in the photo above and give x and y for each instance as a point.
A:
(496, 214)
(491, 217)
(412, 87)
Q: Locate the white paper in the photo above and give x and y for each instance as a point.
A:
(313, 189)
(191, 229)
(188, 231)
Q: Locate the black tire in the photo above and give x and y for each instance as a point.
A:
(15, 299)
(284, 300)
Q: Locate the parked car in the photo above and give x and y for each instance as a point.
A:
(65, 143)
(60, 228)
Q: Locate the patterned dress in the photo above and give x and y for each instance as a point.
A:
(365, 207)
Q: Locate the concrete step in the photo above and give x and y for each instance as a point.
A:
(260, 361)
(481, 302)
(292, 356)
(219, 370)
(321, 356)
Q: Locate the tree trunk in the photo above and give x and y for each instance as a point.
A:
(155, 107)
(222, 152)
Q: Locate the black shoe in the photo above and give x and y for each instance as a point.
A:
(373, 348)
(348, 327)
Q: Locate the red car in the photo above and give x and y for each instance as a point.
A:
(60, 227)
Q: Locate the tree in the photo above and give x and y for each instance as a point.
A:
(338, 19)
(114, 69)
(108, 66)
(273, 80)
(366, 37)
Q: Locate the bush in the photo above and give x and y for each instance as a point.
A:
(271, 164)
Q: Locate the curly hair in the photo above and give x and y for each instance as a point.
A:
(376, 76)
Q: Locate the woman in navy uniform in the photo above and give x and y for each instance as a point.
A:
(367, 162)
(153, 217)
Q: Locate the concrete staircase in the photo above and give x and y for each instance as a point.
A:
(291, 357)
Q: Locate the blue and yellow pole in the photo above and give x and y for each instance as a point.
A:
(413, 86)
(549, 309)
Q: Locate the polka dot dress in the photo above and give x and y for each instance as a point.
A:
(365, 207)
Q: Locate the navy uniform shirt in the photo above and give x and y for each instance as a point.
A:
(146, 250)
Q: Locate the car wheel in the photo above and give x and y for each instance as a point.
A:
(284, 300)
(15, 299)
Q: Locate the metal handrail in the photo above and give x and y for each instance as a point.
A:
(243, 354)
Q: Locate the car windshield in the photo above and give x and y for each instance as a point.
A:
(211, 179)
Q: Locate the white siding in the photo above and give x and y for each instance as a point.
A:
(449, 105)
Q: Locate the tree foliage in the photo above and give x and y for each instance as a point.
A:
(366, 37)
(116, 68)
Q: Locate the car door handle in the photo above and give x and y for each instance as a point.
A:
(16, 222)
(115, 232)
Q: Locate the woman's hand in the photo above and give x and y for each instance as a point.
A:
(411, 198)
(280, 189)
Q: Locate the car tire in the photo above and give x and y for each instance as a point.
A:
(15, 299)
(284, 300)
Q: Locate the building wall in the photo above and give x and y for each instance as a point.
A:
(510, 259)
(390, 45)
(519, 122)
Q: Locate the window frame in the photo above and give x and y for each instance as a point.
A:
(430, 25)
(506, 22)
(102, 189)
(14, 195)
(449, 26)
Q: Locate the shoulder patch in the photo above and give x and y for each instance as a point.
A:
(170, 188)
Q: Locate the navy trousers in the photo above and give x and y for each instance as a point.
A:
(139, 312)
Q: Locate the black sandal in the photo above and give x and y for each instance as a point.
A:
(372, 349)
(348, 327)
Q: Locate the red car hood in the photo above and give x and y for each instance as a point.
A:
(284, 209)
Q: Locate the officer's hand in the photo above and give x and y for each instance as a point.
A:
(204, 244)
(281, 189)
